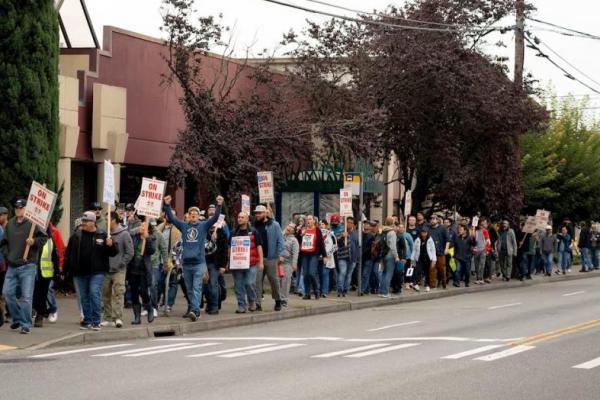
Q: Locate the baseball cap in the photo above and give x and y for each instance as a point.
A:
(130, 207)
(212, 206)
(88, 216)
(372, 222)
(335, 218)
(20, 203)
(548, 227)
(260, 208)
(3, 210)
(195, 209)
(95, 206)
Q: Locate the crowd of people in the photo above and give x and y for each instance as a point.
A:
(120, 260)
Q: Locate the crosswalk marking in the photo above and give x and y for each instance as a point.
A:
(506, 353)
(238, 349)
(64, 353)
(120, 353)
(259, 351)
(348, 351)
(504, 306)
(472, 352)
(393, 326)
(148, 353)
(382, 350)
(589, 365)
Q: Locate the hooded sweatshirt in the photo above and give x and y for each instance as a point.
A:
(122, 239)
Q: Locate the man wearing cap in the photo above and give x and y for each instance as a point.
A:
(3, 222)
(87, 255)
(96, 207)
(193, 233)
(273, 251)
(21, 272)
(133, 222)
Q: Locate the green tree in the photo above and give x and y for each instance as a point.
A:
(560, 165)
(28, 95)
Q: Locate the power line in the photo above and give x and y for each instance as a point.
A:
(378, 23)
(567, 73)
(589, 35)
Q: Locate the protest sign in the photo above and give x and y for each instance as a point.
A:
(530, 225)
(240, 253)
(108, 195)
(246, 204)
(266, 192)
(346, 202)
(475, 221)
(40, 205)
(542, 217)
(150, 201)
(407, 203)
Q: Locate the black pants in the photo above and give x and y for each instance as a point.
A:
(40, 295)
(139, 288)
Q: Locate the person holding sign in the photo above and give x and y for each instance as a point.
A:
(193, 234)
(21, 271)
(312, 246)
(244, 269)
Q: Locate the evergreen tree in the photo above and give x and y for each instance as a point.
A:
(28, 96)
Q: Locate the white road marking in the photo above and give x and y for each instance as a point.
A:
(238, 349)
(120, 353)
(504, 306)
(506, 353)
(263, 350)
(393, 326)
(336, 339)
(348, 351)
(574, 293)
(589, 365)
(148, 353)
(383, 350)
(472, 352)
(64, 353)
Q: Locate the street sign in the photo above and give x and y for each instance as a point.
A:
(240, 253)
(346, 203)
(246, 204)
(151, 198)
(40, 205)
(352, 181)
(541, 219)
(108, 195)
(266, 191)
(530, 225)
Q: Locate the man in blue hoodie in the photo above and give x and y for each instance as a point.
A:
(193, 235)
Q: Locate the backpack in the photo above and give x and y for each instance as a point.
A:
(401, 246)
(379, 247)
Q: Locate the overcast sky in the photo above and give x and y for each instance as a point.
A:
(262, 24)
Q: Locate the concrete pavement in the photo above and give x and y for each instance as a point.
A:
(66, 330)
(537, 342)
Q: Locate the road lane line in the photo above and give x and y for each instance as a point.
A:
(504, 306)
(506, 353)
(149, 353)
(120, 353)
(472, 352)
(64, 353)
(382, 350)
(352, 350)
(4, 347)
(589, 365)
(237, 349)
(557, 333)
(263, 350)
(573, 294)
(393, 326)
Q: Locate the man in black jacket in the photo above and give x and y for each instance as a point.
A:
(87, 255)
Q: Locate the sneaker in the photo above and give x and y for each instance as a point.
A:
(258, 307)
(96, 327)
(252, 307)
(107, 324)
(192, 316)
(427, 288)
(569, 270)
(385, 296)
(15, 326)
(212, 312)
(155, 313)
(53, 317)
(85, 327)
(487, 281)
(240, 310)
(25, 331)
(39, 321)
(144, 312)
(118, 323)
(168, 310)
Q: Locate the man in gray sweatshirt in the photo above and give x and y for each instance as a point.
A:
(21, 272)
(114, 282)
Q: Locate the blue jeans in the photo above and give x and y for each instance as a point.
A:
(192, 276)
(563, 260)
(51, 299)
(547, 258)
(20, 280)
(595, 258)
(346, 268)
(463, 271)
(244, 281)
(527, 264)
(90, 293)
(586, 263)
(389, 266)
(310, 266)
(324, 278)
(156, 289)
(366, 275)
(299, 280)
(213, 287)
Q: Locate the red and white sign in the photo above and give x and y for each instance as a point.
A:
(151, 198)
(246, 204)
(40, 205)
(530, 225)
(239, 257)
(266, 191)
(346, 202)
(542, 217)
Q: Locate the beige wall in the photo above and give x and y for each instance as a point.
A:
(69, 64)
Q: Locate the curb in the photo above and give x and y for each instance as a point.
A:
(180, 329)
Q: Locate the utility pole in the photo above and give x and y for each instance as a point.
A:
(520, 43)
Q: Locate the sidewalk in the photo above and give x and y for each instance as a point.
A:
(66, 331)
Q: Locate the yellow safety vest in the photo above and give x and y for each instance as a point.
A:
(46, 264)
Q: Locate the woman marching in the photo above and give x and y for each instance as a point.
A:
(139, 272)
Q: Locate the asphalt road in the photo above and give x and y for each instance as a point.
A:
(540, 342)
